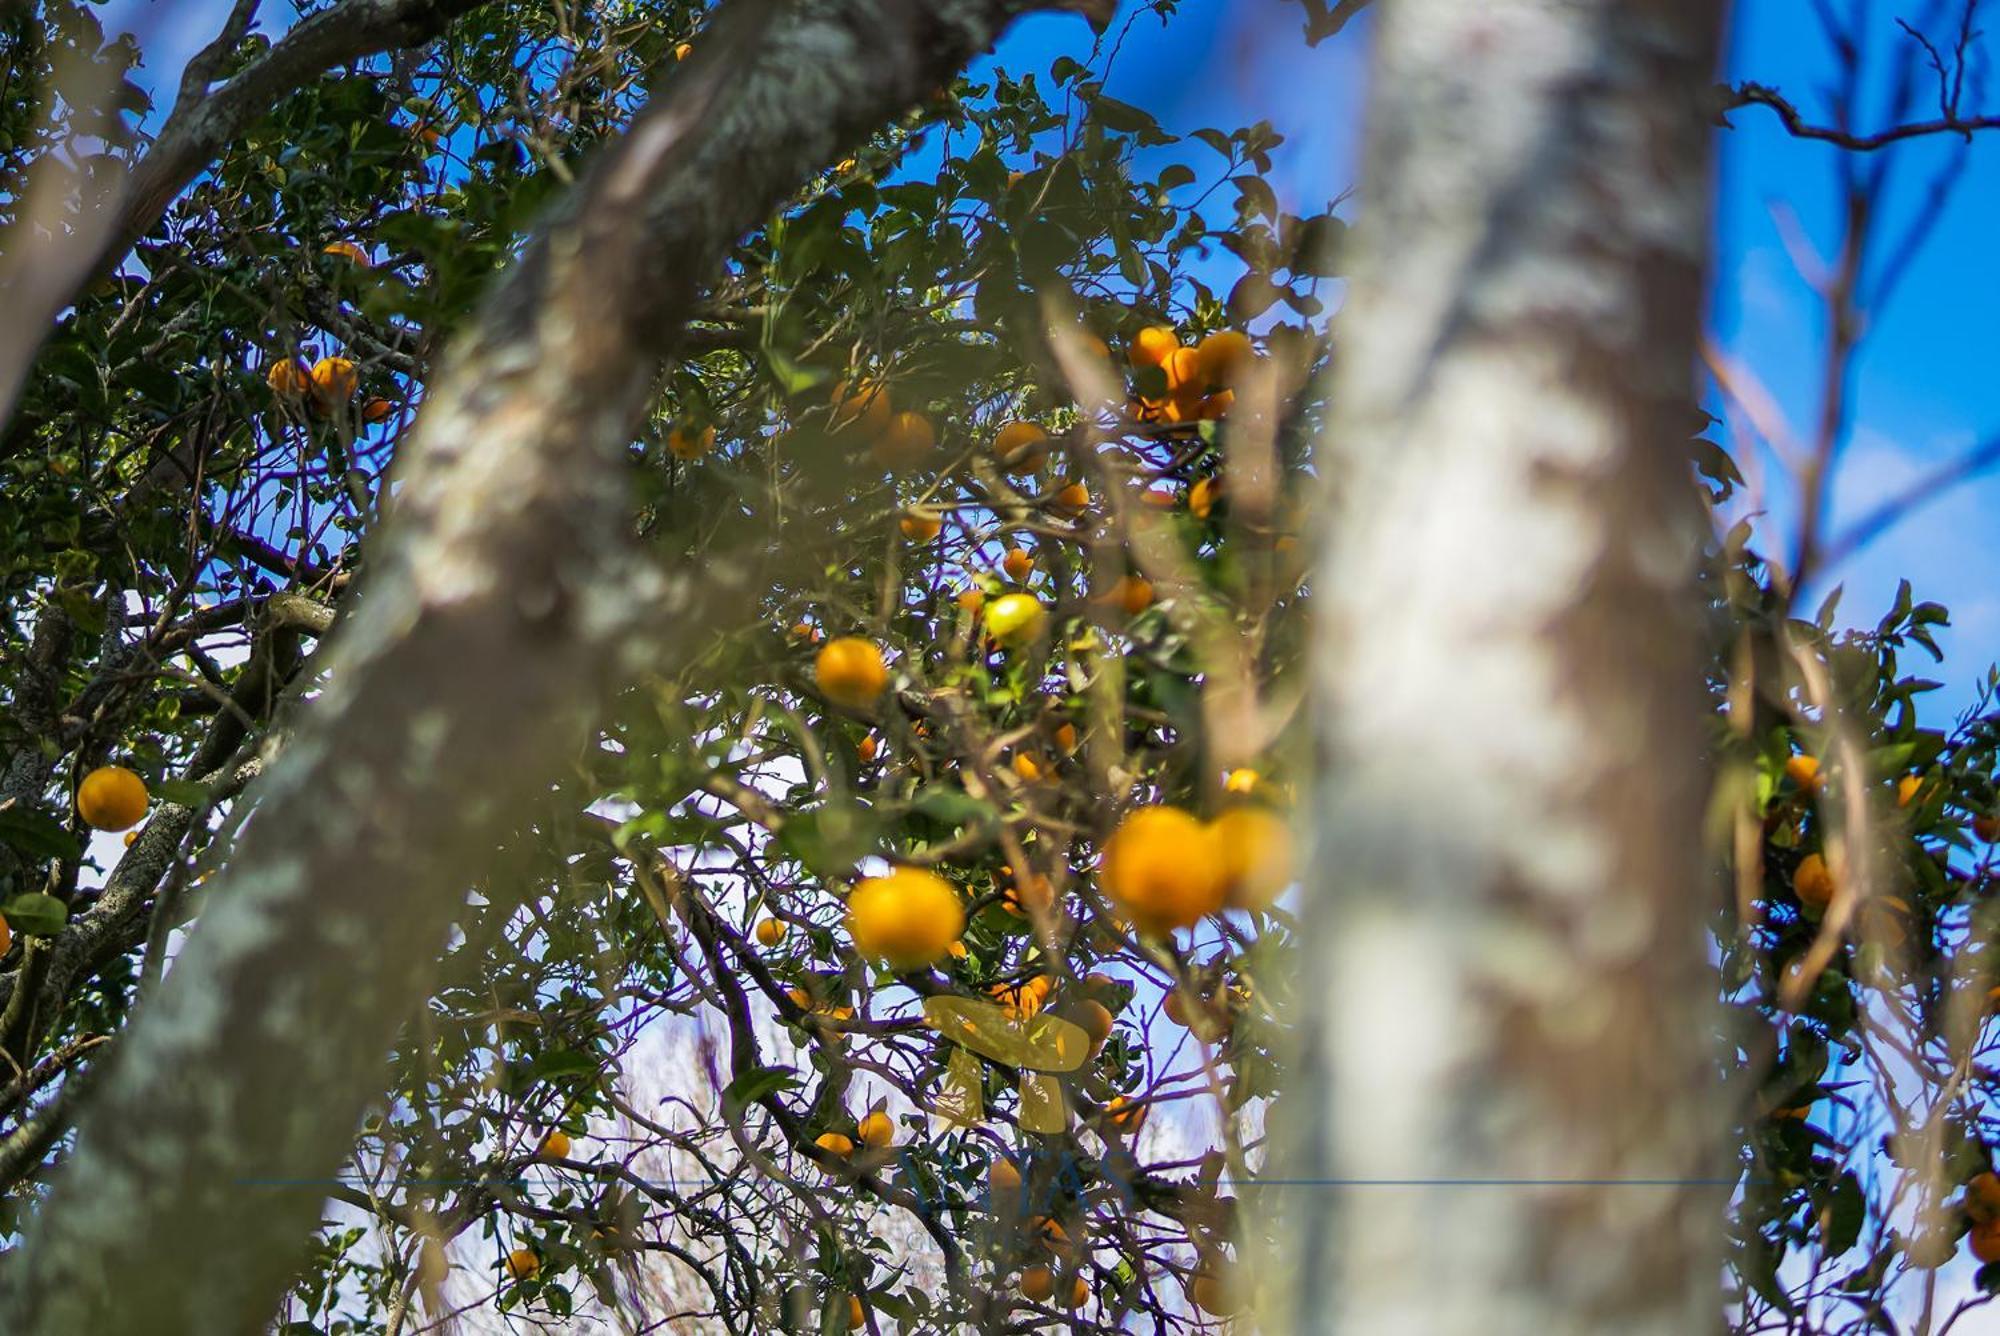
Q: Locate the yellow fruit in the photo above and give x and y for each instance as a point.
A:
(287, 379)
(905, 443)
(347, 250)
(908, 918)
(862, 404)
(833, 1143)
(555, 1146)
(1134, 593)
(850, 671)
(877, 1132)
(1203, 496)
(1242, 780)
(1014, 448)
(1224, 355)
(1256, 849)
(522, 1263)
(971, 600)
(1813, 881)
(1163, 867)
(770, 932)
(1015, 619)
(1018, 564)
(1804, 772)
(920, 528)
(1907, 789)
(1025, 767)
(684, 50)
(1152, 345)
(1071, 501)
(111, 798)
(687, 443)
(334, 381)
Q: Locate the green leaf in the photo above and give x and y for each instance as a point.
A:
(185, 792)
(36, 914)
(37, 834)
(757, 1084)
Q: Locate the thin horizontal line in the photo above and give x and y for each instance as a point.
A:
(1255, 1181)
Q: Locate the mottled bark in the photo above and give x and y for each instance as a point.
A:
(1507, 1106)
(497, 610)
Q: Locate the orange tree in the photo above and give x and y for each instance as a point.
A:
(909, 948)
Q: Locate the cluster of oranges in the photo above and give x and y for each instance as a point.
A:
(1196, 384)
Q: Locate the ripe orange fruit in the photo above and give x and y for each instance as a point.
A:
(1256, 849)
(346, 250)
(1813, 882)
(688, 443)
(956, 950)
(334, 381)
(1210, 1290)
(1985, 1240)
(1018, 564)
(377, 410)
(1025, 767)
(1215, 406)
(971, 600)
(905, 443)
(1982, 1197)
(1987, 828)
(867, 748)
(919, 527)
(287, 379)
(770, 932)
(1184, 377)
(1015, 447)
(1907, 789)
(1023, 999)
(1037, 1284)
(1804, 772)
(1242, 780)
(877, 1132)
(1134, 593)
(1203, 496)
(1003, 1179)
(1039, 894)
(833, 1143)
(522, 1263)
(907, 918)
(1176, 1008)
(850, 672)
(684, 50)
(1163, 867)
(555, 1146)
(1094, 1018)
(1071, 501)
(111, 798)
(1124, 1115)
(1079, 1292)
(1158, 498)
(1015, 619)
(857, 1316)
(1066, 736)
(1152, 345)
(863, 404)
(6, 935)
(1224, 355)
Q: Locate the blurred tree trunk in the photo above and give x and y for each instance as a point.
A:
(1508, 1102)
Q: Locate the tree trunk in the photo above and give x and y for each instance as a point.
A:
(494, 615)
(1506, 1121)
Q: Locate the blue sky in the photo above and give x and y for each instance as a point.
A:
(1921, 374)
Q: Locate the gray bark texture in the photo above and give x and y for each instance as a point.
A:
(496, 612)
(1506, 1121)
